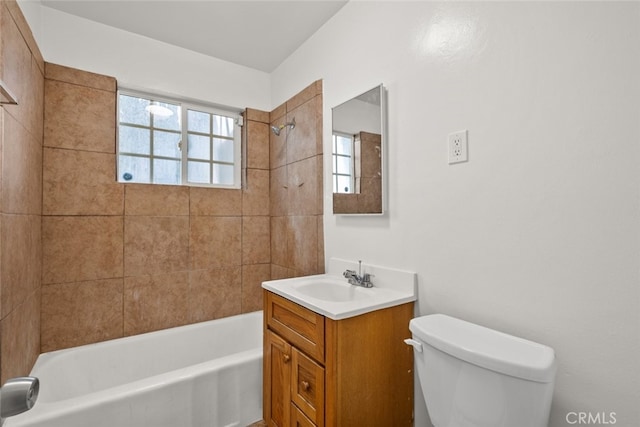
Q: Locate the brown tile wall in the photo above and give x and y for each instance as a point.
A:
(120, 259)
(297, 241)
(22, 70)
(84, 258)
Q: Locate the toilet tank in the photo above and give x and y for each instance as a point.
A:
(472, 376)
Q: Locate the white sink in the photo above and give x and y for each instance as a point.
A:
(332, 296)
(332, 291)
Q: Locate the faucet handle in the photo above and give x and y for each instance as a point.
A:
(366, 280)
(349, 273)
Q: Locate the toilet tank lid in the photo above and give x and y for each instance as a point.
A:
(486, 347)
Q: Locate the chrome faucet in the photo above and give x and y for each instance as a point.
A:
(359, 279)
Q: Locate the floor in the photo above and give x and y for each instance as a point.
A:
(258, 424)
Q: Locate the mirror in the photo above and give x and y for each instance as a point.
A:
(358, 143)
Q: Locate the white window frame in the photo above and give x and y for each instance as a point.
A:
(186, 105)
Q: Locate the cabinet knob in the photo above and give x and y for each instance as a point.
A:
(305, 385)
(286, 358)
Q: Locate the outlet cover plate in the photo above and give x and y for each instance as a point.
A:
(458, 148)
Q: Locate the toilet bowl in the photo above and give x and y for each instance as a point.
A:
(472, 376)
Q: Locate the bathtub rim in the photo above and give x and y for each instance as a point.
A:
(54, 409)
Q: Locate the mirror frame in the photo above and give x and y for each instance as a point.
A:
(383, 155)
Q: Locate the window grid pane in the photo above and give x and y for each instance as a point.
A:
(151, 147)
(135, 169)
(134, 140)
(217, 155)
(166, 171)
(149, 134)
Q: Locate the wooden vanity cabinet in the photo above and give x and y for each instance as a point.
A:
(336, 373)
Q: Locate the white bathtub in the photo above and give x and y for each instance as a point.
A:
(206, 374)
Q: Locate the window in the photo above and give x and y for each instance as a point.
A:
(171, 142)
(343, 163)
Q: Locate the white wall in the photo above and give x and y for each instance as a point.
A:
(142, 63)
(537, 235)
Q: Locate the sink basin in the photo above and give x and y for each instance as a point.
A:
(332, 291)
(332, 296)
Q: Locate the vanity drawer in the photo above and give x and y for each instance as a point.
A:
(298, 419)
(300, 326)
(307, 386)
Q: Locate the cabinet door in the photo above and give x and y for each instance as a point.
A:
(307, 386)
(277, 380)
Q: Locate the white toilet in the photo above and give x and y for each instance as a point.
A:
(472, 376)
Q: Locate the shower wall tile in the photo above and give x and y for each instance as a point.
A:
(256, 240)
(154, 245)
(80, 183)
(304, 187)
(255, 197)
(319, 142)
(215, 242)
(21, 258)
(278, 145)
(20, 338)
(280, 272)
(79, 117)
(258, 145)
(302, 141)
(21, 169)
(320, 224)
(320, 188)
(81, 313)
(156, 200)
(80, 248)
(169, 255)
(279, 247)
(35, 105)
(79, 77)
(257, 115)
(35, 108)
(302, 241)
(21, 129)
(215, 293)
(2, 114)
(279, 185)
(16, 14)
(215, 201)
(306, 94)
(154, 302)
(296, 187)
(252, 278)
(278, 113)
(16, 67)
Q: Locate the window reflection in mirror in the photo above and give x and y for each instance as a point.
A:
(357, 151)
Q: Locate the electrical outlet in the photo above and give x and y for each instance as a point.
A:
(458, 147)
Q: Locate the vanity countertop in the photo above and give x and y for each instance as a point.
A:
(332, 296)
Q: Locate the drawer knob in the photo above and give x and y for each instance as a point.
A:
(286, 358)
(305, 385)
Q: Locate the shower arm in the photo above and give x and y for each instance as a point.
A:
(277, 129)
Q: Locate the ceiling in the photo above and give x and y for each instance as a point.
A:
(259, 34)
